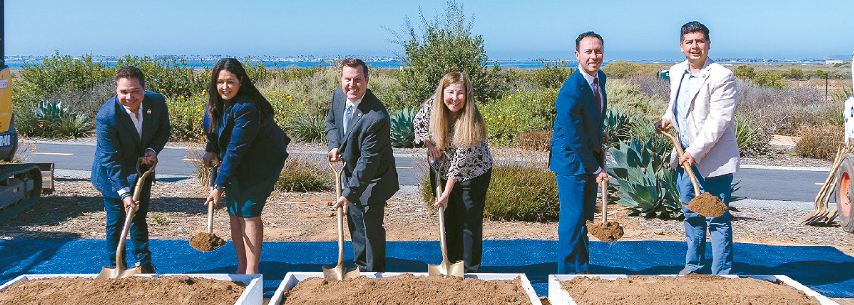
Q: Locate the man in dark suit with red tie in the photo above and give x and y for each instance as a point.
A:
(577, 157)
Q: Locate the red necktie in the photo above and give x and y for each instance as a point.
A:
(597, 95)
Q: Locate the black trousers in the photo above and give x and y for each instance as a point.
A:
(464, 220)
(368, 235)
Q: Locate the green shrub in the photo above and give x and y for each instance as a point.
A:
(307, 128)
(794, 73)
(522, 192)
(623, 69)
(443, 45)
(744, 72)
(551, 75)
(305, 174)
(820, 141)
(627, 97)
(60, 73)
(169, 76)
(769, 79)
(186, 114)
(518, 113)
(402, 132)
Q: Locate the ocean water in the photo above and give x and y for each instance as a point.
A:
(205, 63)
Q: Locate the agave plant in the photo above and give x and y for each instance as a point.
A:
(644, 184)
(402, 133)
(617, 125)
(55, 120)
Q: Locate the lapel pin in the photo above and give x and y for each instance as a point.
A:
(149, 111)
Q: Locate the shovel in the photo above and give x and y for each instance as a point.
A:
(338, 273)
(445, 268)
(605, 231)
(208, 241)
(120, 271)
(707, 205)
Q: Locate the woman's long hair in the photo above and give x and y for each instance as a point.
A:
(216, 105)
(468, 129)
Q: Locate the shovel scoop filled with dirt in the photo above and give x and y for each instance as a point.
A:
(606, 231)
(207, 241)
(704, 204)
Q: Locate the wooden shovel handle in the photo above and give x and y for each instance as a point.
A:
(685, 166)
(604, 186)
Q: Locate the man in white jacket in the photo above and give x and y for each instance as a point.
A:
(702, 104)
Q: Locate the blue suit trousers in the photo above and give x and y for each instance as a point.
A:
(720, 228)
(577, 203)
(138, 232)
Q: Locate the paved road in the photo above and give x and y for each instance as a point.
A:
(756, 183)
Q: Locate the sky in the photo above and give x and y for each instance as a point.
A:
(530, 29)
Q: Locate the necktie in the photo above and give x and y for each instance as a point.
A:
(347, 114)
(597, 95)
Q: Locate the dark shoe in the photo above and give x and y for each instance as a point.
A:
(687, 271)
(147, 269)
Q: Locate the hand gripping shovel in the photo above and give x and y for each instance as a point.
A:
(338, 273)
(208, 241)
(706, 204)
(607, 231)
(445, 268)
(120, 271)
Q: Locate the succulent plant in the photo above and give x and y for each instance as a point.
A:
(644, 184)
(402, 133)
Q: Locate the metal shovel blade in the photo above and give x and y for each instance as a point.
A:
(338, 273)
(446, 268)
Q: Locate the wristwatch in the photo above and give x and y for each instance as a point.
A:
(219, 188)
(125, 195)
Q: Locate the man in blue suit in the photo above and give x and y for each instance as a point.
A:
(132, 127)
(576, 156)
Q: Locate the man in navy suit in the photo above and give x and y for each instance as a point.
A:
(358, 128)
(132, 127)
(577, 157)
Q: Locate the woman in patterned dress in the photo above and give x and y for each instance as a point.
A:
(455, 135)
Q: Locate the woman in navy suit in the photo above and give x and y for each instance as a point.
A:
(242, 134)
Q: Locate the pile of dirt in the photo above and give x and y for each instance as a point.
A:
(707, 205)
(206, 241)
(127, 291)
(691, 289)
(607, 232)
(408, 289)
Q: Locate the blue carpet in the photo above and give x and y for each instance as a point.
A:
(824, 269)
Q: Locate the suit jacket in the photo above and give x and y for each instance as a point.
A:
(252, 149)
(709, 122)
(370, 175)
(576, 145)
(119, 145)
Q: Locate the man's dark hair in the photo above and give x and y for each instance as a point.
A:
(355, 62)
(693, 26)
(587, 34)
(131, 72)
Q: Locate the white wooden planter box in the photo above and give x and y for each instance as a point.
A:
(292, 278)
(253, 295)
(559, 296)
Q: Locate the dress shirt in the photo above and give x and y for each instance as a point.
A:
(352, 105)
(687, 83)
(590, 78)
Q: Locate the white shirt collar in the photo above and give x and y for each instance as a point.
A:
(355, 103)
(589, 78)
(136, 118)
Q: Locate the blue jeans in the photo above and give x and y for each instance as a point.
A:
(138, 233)
(720, 228)
(577, 195)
